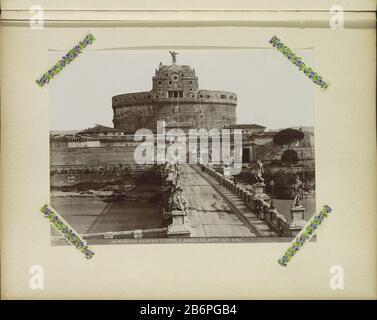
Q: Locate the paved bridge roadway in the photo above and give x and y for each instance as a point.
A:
(214, 211)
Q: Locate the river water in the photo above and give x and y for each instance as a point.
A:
(283, 207)
(92, 215)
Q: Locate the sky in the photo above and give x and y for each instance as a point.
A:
(271, 91)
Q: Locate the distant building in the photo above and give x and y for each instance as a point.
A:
(101, 131)
(269, 151)
(266, 137)
(248, 130)
(308, 140)
(263, 138)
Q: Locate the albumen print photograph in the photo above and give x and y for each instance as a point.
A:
(182, 145)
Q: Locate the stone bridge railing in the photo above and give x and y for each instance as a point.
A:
(173, 204)
(259, 205)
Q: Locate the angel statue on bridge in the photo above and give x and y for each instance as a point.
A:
(259, 171)
(297, 192)
(178, 200)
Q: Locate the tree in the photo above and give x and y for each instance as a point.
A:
(289, 156)
(288, 136)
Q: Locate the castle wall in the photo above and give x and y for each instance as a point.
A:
(212, 109)
(91, 157)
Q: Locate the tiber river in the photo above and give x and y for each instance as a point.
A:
(283, 207)
(92, 215)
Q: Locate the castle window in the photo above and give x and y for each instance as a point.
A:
(175, 94)
(223, 96)
(190, 82)
(169, 82)
(201, 96)
(190, 89)
(231, 97)
(159, 82)
(208, 96)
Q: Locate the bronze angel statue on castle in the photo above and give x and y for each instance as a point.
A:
(173, 56)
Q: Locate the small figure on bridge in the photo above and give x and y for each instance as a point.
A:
(259, 172)
(297, 192)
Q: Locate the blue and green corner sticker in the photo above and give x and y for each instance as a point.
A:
(66, 230)
(298, 62)
(305, 235)
(65, 60)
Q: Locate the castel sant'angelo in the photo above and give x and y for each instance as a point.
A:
(177, 99)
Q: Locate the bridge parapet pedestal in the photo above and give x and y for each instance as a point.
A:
(259, 189)
(298, 220)
(179, 228)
